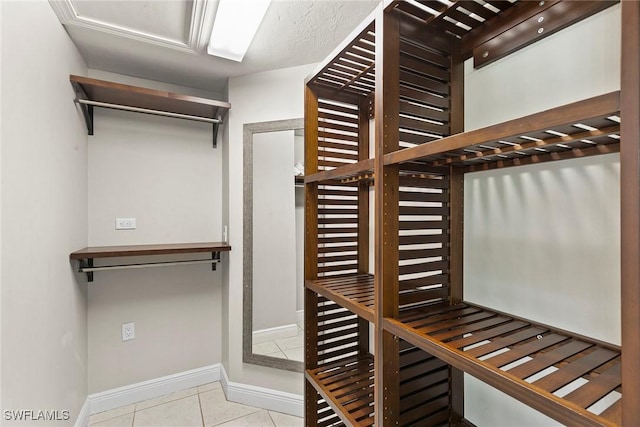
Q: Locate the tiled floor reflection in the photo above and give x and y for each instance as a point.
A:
(203, 406)
(283, 348)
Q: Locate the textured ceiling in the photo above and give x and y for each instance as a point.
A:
(166, 40)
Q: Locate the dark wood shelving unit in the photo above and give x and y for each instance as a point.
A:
(92, 93)
(86, 256)
(403, 69)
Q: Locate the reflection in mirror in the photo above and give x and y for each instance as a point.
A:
(273, 244)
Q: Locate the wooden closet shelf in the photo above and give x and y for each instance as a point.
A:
(580, 129)
(100, 93)
(354, 292)
(513, 354)
(347, 386)
(87, 255)
(139, 250)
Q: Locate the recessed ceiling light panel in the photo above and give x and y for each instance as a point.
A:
(236, 24)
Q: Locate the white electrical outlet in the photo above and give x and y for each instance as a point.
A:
(125, 223)
(128, 331)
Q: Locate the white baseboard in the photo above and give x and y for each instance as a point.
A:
(122, 396)
(272, 334)
(260, 397)
(83, 416)
(300, 317)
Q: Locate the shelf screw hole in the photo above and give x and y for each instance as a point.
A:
(540, 30)
(541, 19)
(541, 3)
(485, 54)
(539, 337)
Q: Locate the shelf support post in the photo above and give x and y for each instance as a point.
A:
(386, 281)
(456, 220)
(630, 210)
(311, 250)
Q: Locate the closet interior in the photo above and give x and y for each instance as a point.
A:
(388, 337)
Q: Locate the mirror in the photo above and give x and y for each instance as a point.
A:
(273, 245)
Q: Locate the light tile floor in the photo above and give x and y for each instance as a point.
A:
(203, 406)
(284, 348)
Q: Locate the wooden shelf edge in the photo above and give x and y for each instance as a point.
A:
(543, 401)
(570, 113)
(140, 250)
(346, 171)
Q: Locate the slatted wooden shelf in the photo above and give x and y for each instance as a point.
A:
(486, 343)
(578, 129)
(352, 66)
(353, 292)
(347, 387)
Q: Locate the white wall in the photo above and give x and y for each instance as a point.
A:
(165, 173)
(43, 209)
(542, 241)
(274, 231)
(272, 95)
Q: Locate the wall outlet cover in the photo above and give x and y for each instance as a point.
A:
(128, 331)
(125, 223)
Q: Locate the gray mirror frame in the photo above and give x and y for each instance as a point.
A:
(247, 245)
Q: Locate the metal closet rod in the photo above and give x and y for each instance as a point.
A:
(148, 264)
(147, 111)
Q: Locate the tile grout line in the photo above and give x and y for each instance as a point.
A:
(200, 405)
(163, 403)
(281, 351)
(241, 416)
(272, 420)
